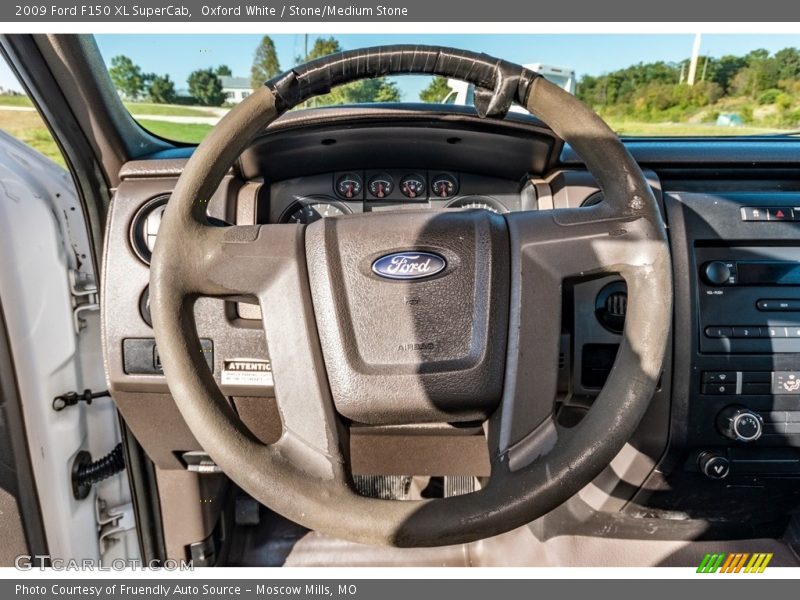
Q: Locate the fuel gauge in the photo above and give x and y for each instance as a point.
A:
(381, 185)
(349, 186)
(412, 186)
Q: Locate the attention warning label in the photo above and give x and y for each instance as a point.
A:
(245, 371)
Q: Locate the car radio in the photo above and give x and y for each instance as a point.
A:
(753, 272)
(749, 299)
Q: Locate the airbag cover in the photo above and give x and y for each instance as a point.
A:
(429, 348)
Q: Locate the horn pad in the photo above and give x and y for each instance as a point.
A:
(412, 312)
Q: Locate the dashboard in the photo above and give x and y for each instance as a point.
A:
(725, 419)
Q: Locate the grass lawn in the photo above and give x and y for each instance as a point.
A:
(191, 133)
(29, 128)
(173, 110)
(6, 100)
(636, 128)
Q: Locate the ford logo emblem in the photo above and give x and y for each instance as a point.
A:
(409, 265)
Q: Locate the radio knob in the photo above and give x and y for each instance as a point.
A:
(717, 273)
(740, 424)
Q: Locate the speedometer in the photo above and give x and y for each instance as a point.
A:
(308, 210)
(480, 202)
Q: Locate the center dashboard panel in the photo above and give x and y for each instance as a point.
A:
(738, 415)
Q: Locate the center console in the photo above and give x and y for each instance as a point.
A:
(737, 333)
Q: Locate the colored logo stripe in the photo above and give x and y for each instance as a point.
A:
(710, 563)
(734, 562)
(758, 563)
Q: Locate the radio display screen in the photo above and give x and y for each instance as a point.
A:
(768, 273)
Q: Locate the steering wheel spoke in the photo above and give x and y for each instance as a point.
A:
(238, 261)
(549, 248)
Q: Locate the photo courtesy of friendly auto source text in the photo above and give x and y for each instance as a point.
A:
(415, 298)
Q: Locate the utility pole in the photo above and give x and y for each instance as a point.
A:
(305, 57)
(693, 63)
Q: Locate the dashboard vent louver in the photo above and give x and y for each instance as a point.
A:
(611, 305)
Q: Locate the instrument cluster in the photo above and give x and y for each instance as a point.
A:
(386, 189)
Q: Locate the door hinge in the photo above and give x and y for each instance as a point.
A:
(84, 297)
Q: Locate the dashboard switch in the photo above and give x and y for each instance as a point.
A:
(719, 389)
(713, 465)
(786, 382)
(755, 213)
(719, 377)
(740, 423)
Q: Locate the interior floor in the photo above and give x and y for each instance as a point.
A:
(276, 541)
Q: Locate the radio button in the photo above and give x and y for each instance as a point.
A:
(776, 332)
(777, 304)
(719, 332)
(746, 332)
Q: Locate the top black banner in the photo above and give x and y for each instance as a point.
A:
(142, 11)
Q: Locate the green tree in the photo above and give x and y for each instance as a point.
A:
(722, 70)
(127, 77)
(205, 87)
(323, 47)
(223, 71)
(161, 89)
(265, 63)
(436, 91)
(761, 73)
(379, 89)
(788, 61)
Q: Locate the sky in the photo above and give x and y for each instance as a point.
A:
(593, 54)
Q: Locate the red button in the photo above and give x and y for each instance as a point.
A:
(780, 214)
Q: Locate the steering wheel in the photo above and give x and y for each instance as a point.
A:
(471, 336)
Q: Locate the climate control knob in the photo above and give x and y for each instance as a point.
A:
(717, 272)
(740, 424)
(713, 465)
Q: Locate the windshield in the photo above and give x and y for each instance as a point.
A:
(179, 86)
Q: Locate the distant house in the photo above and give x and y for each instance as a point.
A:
(184, 96)
(235, 89)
